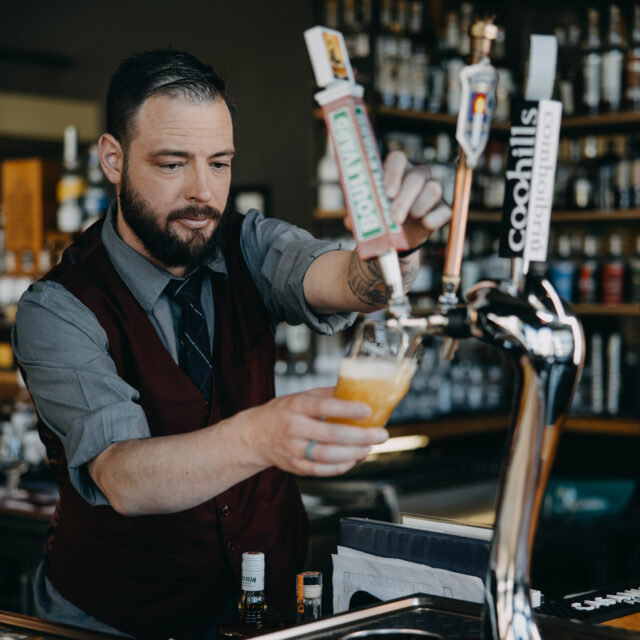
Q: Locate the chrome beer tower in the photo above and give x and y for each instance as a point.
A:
(525, 319)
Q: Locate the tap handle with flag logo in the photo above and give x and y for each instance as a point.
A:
(478, 99)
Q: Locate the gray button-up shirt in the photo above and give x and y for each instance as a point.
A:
(63, 349)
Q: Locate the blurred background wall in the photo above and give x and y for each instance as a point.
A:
(70, 49)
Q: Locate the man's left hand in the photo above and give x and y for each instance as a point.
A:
(416, 199)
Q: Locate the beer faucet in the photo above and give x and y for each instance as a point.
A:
(541, 336)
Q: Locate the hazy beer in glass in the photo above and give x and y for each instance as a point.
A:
(378, 382)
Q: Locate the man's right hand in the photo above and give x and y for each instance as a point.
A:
(278, 433)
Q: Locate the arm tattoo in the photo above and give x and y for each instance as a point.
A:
(367, 284)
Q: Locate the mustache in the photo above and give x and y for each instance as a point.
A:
(195, 212)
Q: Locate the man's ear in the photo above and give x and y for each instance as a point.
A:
(111, 158)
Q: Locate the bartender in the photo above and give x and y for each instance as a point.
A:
(149, 355)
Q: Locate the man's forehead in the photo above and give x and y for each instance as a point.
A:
(179, 115)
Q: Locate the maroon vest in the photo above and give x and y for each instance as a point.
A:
(168, 575)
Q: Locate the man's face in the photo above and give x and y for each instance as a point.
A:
(175, 180)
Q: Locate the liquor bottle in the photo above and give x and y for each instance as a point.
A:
(71, 185)
(605, 196)
(386, 14)
(330, 196)
(623, 192)
(309, 596)
(588, 289)
(562, 272)
(613, 62)
(568, 77)
(419, 78)
(582, 185)
(252, 606)
(634, 274)
(614, 373)
(404, 82)
(597, 374)
(613, 272)
(592, 63)
(387, 69)
(466, 20)
(416, 17)
(632, 71)
(452, 62)
(96, 199)
(331, 14)
(300, 348)
(439, 162)
(561, 189)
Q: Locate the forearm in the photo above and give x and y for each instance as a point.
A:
(367, 285)
(172, 473)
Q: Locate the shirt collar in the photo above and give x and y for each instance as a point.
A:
(145, 280)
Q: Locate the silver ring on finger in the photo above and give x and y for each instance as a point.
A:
(308, 452)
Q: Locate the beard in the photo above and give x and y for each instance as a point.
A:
(161, 241)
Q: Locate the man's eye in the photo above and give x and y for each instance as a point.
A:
(220, 166)
(170, 166)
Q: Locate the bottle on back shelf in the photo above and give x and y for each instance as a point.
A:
(452, 63)
(96, 198)
(330, 196)
(606, 184)
(582, 192)
(419, 78)
(613, 62)
(71, 185)
(614, 373)
(592, 64)
(634, 274)
(588, 289)
(613, 272)
(632, 64)
(623, 192)
(562, 272)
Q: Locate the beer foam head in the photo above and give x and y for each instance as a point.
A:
(374, 368)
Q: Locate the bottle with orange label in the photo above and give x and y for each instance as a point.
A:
(309, 596)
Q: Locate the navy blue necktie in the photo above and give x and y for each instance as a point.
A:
(195, 347)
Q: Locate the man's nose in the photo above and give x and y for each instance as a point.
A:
(198, 188)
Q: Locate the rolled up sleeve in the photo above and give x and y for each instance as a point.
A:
(278, 255)
(63, 351)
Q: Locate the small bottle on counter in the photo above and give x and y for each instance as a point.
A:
(309, 596)
(252, 606)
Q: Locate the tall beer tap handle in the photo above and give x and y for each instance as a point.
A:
(477, 103)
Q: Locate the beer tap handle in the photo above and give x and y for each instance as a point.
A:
(477, 103)
(531, 165)
(479, 82)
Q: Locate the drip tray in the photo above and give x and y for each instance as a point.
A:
(417, 617)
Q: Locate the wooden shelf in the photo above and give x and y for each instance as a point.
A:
(607, 309)
(323, 214)
(462, 425)
(605, 425)
(427, 117)
(559, 217)
(569, 123)
(601, 120)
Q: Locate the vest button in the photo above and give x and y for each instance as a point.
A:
(231, 546)
(225, 510)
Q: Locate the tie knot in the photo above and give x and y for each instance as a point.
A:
(187, 290)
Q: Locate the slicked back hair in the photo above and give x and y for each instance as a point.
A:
(164, 71)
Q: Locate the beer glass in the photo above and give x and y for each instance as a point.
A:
(377, 371)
